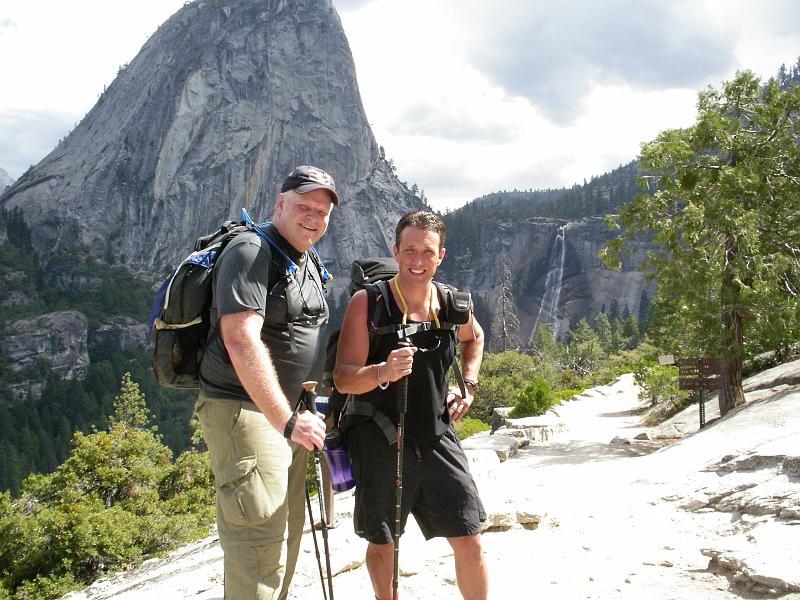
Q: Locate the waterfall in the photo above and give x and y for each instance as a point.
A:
(552, 285)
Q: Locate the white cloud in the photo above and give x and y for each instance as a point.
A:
(55, 59)
(466, 96)
(28, 136)
(548, 94)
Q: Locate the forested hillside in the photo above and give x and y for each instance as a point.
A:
(35, 431)
(600, 195)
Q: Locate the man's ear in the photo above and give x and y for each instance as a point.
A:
(278, 206)
(441, 255)
(395, 253)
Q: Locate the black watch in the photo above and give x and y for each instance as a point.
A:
(471, 382)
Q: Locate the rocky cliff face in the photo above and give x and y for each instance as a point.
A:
(219, 105)
(563, 271)
(59, 338)
(5, 179)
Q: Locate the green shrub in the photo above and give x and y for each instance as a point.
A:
(116, 500)
(534, 400)
(503, 376)
(657, 382)
(469, 426)
(45, 587)
(565, 394)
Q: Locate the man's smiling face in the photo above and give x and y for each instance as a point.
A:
(302, 218)
(418, 254)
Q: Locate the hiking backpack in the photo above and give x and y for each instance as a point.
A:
(180, 314)
(378, 271)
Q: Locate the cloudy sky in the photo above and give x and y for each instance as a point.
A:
(466, 96)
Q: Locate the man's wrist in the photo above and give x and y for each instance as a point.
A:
(473, 383)
(381, 384)
(289, 428)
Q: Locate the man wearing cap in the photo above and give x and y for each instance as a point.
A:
(264, 332)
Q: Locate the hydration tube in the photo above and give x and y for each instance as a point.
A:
(291, 266)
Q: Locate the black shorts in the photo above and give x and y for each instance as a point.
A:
(437, 486)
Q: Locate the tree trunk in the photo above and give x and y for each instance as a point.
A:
(731, 393)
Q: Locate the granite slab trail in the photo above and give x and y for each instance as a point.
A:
(603, 508)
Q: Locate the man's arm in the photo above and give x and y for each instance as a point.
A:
(470, 336)
(241, 333)
(352, 375)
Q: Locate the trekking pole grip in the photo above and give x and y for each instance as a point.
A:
(402, 384)
(310, 396)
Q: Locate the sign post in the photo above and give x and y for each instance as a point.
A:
(699, 373)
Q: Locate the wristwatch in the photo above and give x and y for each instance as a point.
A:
(471, 382)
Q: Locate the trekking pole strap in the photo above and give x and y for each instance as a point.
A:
(459, 377)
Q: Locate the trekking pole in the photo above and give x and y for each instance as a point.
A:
(310, 401)
(402, 406)
(316, 545)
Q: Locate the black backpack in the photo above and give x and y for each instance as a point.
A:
(180, 316)
(378, 271)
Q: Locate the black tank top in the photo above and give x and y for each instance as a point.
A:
(427, 417)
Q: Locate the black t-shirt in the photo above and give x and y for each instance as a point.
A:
(249, 275)
(427, 417)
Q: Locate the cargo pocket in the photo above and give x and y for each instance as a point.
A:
(243, 497)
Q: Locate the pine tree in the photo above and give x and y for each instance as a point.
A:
(130, 409)
(505, 324)
(724, 218)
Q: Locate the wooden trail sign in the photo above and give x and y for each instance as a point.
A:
(699, 373)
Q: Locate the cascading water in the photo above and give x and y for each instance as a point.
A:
(552, 285)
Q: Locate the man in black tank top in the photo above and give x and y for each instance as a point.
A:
(265, 328)
(437, 486)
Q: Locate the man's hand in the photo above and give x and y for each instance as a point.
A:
(398, 364)
(309, 430)
(457, 405)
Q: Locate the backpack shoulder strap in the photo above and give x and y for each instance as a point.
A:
(379, 308)
(324, 275)
(457, 309)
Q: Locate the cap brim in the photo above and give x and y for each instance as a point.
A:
(307, 187)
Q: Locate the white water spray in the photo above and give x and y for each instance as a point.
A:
(552, 285)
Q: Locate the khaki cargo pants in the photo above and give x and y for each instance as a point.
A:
(260, 483)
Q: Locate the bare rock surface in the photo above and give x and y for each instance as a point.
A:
(119, 333)
(222, 101)
(59, 337)
(5, 179)
(713, 515)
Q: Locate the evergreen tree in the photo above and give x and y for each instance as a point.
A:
(505, 324)
(618, 340)
(644, 309)
(613, 312)
(130, 409)
(630, 332)
(584, 349)
(603, 328)
(724, 216)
